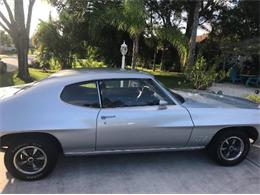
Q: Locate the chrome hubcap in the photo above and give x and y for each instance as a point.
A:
(30, 160)
(232, 148)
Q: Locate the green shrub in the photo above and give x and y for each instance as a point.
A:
(87, 63)
(221, 76)
(199, 75)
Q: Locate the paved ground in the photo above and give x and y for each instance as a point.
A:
(12, 62)
(174, 172)
(239, 90)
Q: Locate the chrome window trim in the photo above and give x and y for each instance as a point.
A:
(166, 92)
(99, 94)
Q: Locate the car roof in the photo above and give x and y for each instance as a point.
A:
(96, 74)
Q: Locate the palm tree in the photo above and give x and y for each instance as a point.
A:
(131, 19)
(176, 38)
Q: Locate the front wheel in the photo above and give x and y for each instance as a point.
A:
(31, 159)
(229, 148)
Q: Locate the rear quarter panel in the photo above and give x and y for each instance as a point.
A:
(40, 109)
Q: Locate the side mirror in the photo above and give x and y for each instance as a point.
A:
(162, 105)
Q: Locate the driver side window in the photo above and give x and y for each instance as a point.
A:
(130, 92)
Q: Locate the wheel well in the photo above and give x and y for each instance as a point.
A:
(251, 132)
(8, 139)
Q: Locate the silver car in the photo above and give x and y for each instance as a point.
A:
(86, 112)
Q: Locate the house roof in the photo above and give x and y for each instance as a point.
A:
(201, 38)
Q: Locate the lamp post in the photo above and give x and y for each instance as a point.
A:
(123, 50)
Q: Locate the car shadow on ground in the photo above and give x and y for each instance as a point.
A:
(168, 172)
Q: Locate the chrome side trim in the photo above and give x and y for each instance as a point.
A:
(133, 151)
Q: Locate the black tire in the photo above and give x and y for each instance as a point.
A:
(43, 144)
(214, 148)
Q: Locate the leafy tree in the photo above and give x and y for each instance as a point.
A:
(139, 19)
(151, 27)
(131, 19)
(199, 13)
(235, 31)
(208, 11)
(176, 38)
(165, 14)
(93, 29)
(5, 39)
(240, 21)
(19, 30)
(58, 38)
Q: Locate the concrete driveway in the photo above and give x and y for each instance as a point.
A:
(173, 172)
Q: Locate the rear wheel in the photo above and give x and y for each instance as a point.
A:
(31, 159)
(229, 148)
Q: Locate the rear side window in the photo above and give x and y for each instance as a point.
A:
(81, 94)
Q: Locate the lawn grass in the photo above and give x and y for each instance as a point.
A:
(38, 74)
(3, 56)
(169, 79)
(10, 78)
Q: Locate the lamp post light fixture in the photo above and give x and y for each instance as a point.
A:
(123, 50)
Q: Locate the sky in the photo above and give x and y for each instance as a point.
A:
(41, 11)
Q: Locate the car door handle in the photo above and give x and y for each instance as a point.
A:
(105, 117)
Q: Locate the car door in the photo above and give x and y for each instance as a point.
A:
(131, 117)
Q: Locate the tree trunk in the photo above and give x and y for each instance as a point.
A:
(23, 72)
(22, 42)
(154, 59)
(190, 20)
(65, 62)
(192, 42)
(135, 51)
(163, 58)
(22, 48)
